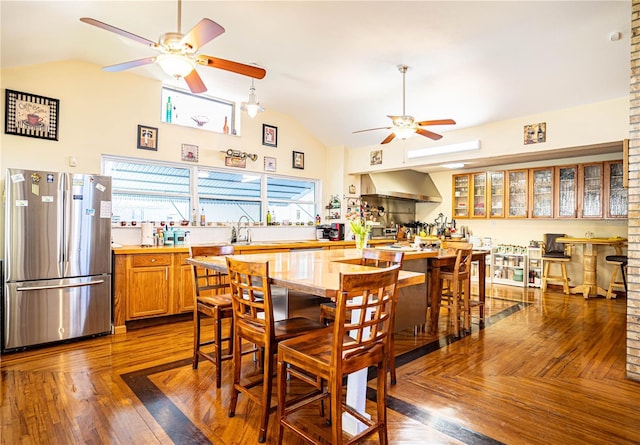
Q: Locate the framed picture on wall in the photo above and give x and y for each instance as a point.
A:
(31, 115)
(189, 153)
(269, 164)
(269, 135)
(298, 160)
(147, 138)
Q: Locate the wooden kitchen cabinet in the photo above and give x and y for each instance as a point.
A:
(566, 196)
(616, 198)
(496, 194)
(516, 193)
(541, 192)
(479, 195)
(148, 286)
(184, 285)
(590, 191)
(460, 206)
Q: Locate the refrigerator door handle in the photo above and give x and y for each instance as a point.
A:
(61, 286)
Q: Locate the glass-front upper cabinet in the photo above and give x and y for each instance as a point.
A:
(496, 194)
(591, 190)
(615, 196)
(541, 192)
(479, 195)
(517, 181)
(460, 196)
(566, 205)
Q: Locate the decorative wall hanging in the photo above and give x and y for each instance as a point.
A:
(231, 161)
(189, 153)
(31, 115)
(240, 154)
(147, 138)
(298, 160)
(376, 157)
(269, 135)
(269, 164)
(535, 133)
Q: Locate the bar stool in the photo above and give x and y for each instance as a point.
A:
(554, 252)
(456, 285)
(375, 258)
(254, 323)
(211, 300)
(619, 262)
(349, 346)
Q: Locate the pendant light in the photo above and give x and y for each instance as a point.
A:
(252, 106)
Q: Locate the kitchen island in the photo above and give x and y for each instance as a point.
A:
(151, 282)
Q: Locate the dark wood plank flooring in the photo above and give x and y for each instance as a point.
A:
(543, 370)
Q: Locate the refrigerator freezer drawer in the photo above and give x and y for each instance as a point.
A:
(39, 312)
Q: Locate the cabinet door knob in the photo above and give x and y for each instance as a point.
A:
(153, 260)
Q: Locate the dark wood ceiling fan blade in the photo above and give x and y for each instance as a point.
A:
(194, 82)
(118, 31)
(130, 64)
(429, 134)
(372, 129)
(437, 122)
(234, 67)
(205, 31)
(388, 138)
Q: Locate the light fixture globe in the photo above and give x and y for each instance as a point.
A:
(252, 106)
(175, 65)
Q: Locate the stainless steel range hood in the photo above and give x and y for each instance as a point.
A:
(403, 184)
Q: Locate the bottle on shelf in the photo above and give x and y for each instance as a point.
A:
(169, 110)
(194, 217)
(203, 218)
(318, 220)
(268, 218)
(225, 127)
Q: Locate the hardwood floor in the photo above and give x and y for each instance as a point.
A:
(543, 370)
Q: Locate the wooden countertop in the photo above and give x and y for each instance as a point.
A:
(248, 248)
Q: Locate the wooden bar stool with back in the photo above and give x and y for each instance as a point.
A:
(254, 322)
(557, 253)
(212, 299)
(348, 347)
(456, 287)
(375, 258)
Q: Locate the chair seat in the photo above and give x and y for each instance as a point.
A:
(293, 327)
(221, 301)
(622, 259)
(558, 256)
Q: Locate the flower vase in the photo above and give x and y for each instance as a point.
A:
(361, 241)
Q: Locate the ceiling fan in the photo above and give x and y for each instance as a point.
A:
(179, 58)
(403, 126)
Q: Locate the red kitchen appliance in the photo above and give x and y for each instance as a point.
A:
(337, 232)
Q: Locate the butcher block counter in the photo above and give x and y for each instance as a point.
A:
(151, 282)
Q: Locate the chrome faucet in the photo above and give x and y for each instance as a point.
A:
(239, 235)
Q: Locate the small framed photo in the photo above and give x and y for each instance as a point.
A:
(189, 153)
(147, 138)
(535, 133)
(269, 135)
(269, 164)
(376, 157)
(298, 160)
(31, 115)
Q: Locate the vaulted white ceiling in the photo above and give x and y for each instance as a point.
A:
(333, 64)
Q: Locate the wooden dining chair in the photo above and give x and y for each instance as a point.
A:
(557, 253)
(351, 345)
(375, 258)
(254, 323)
(456, 287)
(213, 300)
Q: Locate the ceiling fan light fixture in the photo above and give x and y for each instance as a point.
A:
(175, 65)
(404, 132)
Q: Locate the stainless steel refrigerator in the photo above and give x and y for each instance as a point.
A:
(57, 262)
